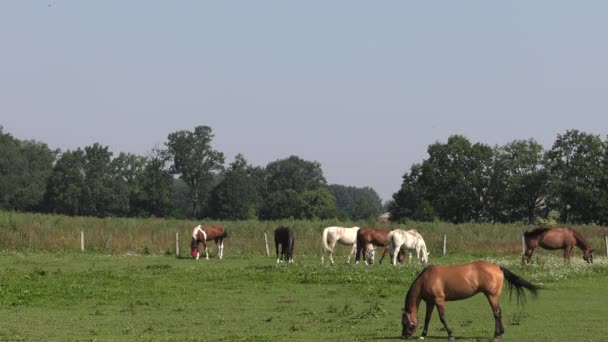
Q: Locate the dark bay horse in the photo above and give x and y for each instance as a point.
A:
(286, 237)
(556, 238)
(438, 284)
(202, 234)
(369, 237)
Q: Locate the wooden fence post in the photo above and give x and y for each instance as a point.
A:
(82, 241)
(266, 240)
(445, 242)
(176, 244)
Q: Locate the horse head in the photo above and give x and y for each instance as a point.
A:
(588, 256)
(409, 325)
(194, 248)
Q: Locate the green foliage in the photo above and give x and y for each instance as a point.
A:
(240, 193)
(25, 167)
(151, 193)
(356, 203)
(294, 173)
(195, 161)
(575, 164)
(317, 204)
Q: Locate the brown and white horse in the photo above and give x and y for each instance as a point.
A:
(438, 284)
(557, 238)
(201, 234)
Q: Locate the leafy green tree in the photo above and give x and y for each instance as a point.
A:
(282, 204)
(409, 202)
(456, 179)
(317, 204)
(575, 167)
(152, 186)
(195, 161)
(103, 194)
(523, 184)
(356, 203)
(240, 193)
(25, 167)
(65, 187)
(294, 173)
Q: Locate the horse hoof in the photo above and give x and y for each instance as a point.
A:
(451, 339)
(421, 337)
(496, 339)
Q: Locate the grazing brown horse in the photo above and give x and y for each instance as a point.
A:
(439, 284)
(369, 237)
(556, 238)
(202, 234)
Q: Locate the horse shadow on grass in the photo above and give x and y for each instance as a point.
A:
(432, 338)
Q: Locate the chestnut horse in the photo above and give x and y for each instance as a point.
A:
(439, 284)
(202, 234)
(368, 238)
(286, 237)
(556, 238)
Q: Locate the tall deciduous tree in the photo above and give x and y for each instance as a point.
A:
(575, 165)
(239, 194)
(195, 161)
(65, 187)
(294, 173)
(356, 203)
(25, 167)
(153, 184)
(456, 179)
(524, 181)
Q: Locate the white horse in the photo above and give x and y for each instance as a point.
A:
(344, 236)
(407, 240)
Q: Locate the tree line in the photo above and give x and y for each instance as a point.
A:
(462, 181)
(187, 178)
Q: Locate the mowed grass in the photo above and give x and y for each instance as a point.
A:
(96, 297)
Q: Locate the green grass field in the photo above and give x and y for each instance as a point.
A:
(96, 297)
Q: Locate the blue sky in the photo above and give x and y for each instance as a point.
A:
(362, 87)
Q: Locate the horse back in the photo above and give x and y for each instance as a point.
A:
(456, 282)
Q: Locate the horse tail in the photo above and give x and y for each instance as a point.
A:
(325, 245)
(519, 283)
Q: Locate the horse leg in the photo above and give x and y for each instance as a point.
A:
(567, 252)
(206, 250)
(292, 245)
(331, 254)
(527, 257)
(441, 310)
(358, 254)
(499, 329)
(221, 248)
(427, 317)
(352, 252)
(276, 246)
(383, 255)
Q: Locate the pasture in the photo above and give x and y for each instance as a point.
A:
(92, 296)
(129, 285)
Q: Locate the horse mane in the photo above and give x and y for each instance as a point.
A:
(414, 282)
(537, 231)
(580, 238)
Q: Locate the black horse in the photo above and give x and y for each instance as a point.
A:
(287, 238)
